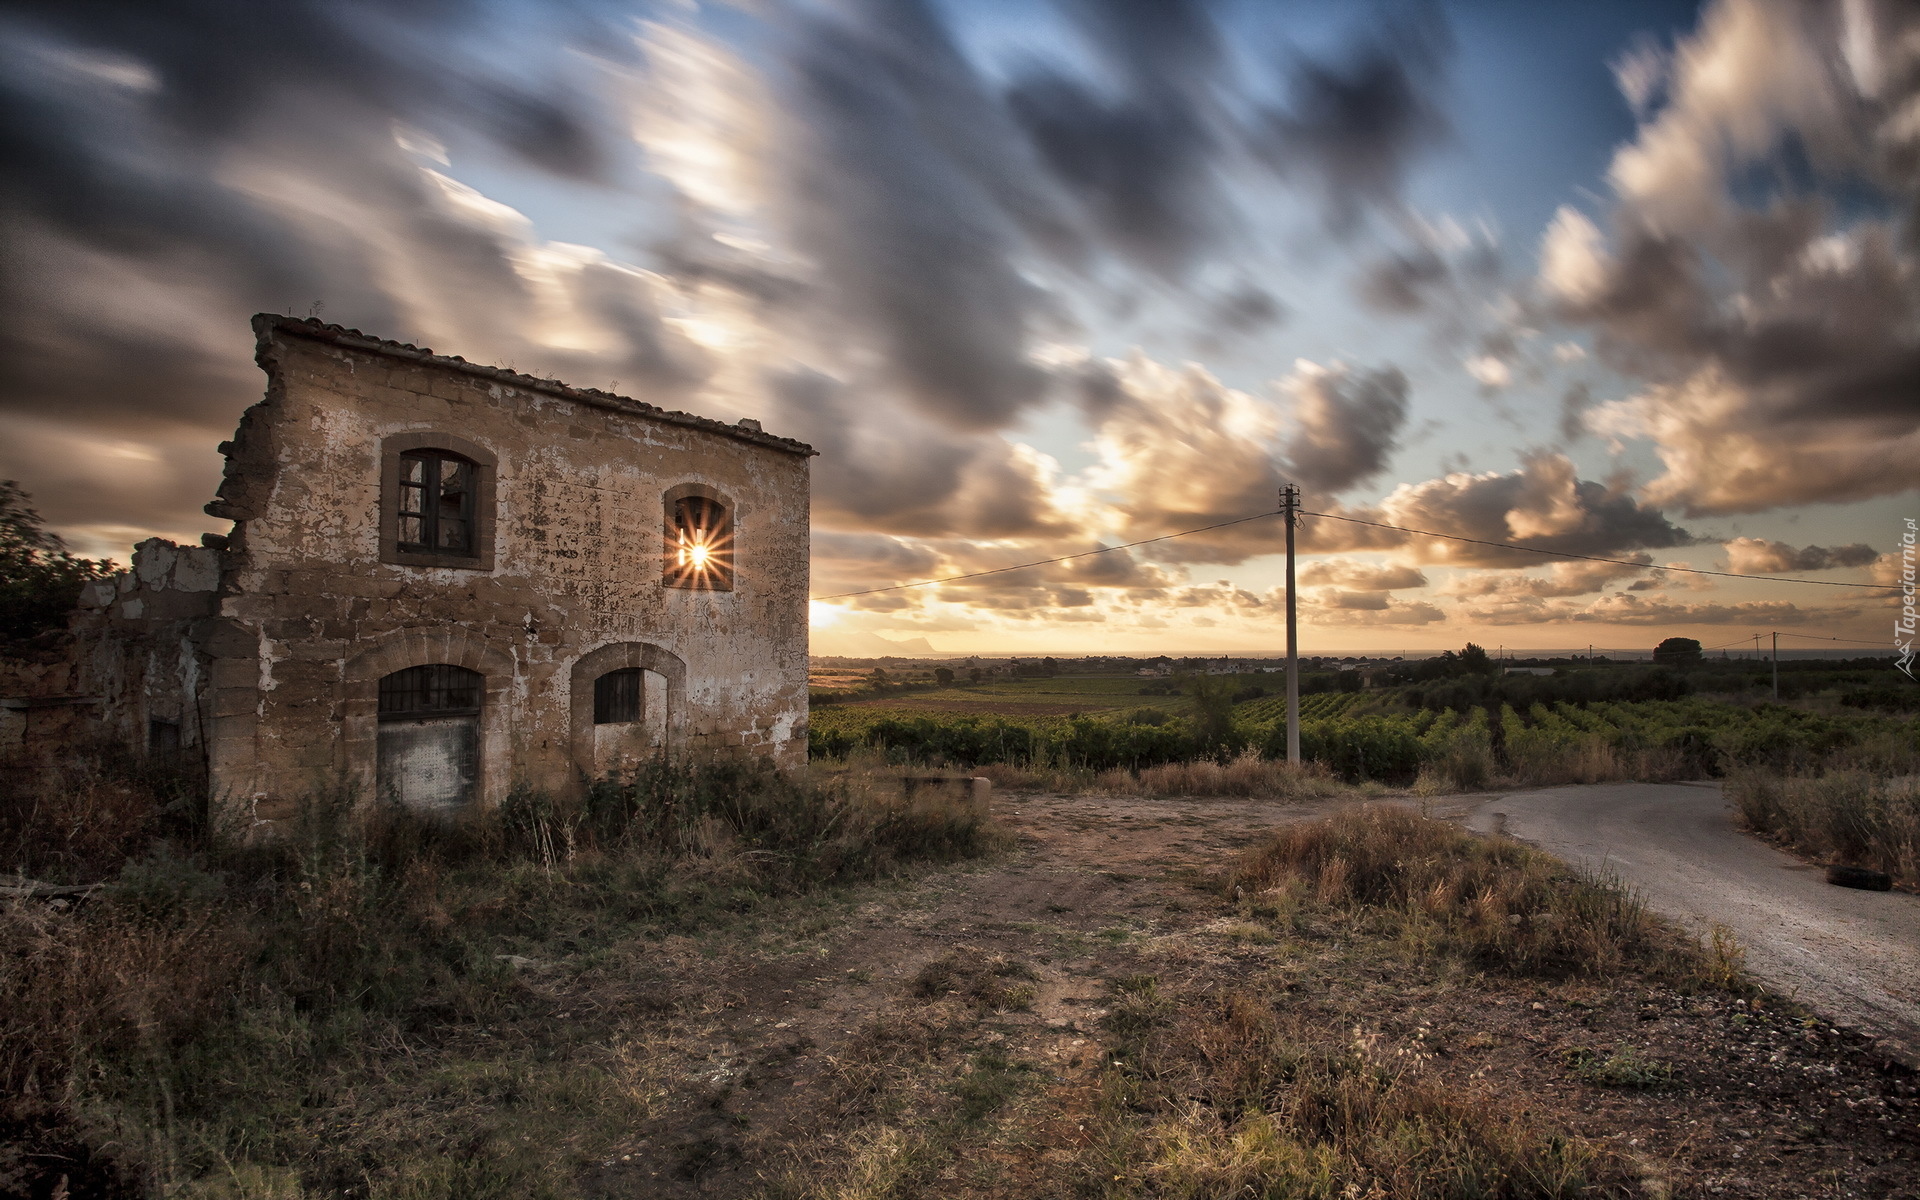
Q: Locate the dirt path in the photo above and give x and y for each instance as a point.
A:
(1852, 955)
(842, 1043)
(779, 1027)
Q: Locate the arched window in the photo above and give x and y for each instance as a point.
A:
(429, 743)
(436, 502)
(617, 697)
(699, 540)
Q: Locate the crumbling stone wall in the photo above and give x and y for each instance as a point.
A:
(268, 645)
(143, 638)
(129, 670)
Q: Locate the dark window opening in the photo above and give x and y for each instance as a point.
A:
(435, 690)
(699, 544)
(163, 738)
(436, 503)
(616, 697)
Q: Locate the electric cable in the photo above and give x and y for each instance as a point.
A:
(1049, 561)
(1597, 558)
(1450, 537)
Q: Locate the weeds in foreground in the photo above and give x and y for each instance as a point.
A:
(1225, 1094)
(78, 821)
(988, 982)
(1246, 774)
(1249, 1091)
(1492, 901)
(272, 1018)
(1623, 1068)
(1857, 817)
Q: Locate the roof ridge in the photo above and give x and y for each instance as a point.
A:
(323, 331)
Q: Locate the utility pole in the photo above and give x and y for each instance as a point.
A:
(1776, 666)
(1290, 509)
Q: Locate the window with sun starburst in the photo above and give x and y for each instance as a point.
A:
(699, 541)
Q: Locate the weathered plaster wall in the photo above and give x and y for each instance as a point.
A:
(311, 617)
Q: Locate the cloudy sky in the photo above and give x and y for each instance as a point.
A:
(1629, 279)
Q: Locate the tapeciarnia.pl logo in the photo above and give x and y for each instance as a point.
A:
(1903, 625)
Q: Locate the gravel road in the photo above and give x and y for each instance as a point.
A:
(1854, 956)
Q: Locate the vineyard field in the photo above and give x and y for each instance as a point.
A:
(1359, 738)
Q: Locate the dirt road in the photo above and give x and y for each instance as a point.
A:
(1852, 955)
(851, 1042)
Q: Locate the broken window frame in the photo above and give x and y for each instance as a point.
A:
(478, 504)
(428, 486)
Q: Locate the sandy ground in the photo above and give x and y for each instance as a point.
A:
(1851, 955)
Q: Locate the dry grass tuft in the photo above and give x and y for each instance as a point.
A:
(1025, 777)
(77, 821)
(1247, 775)
(1224, 1095)
(987, 982)
(1854, 817)
(1492, 900)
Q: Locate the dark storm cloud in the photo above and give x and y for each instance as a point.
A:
(1356, 122)
(168, 169)
(1346, 424)
(1438, 273)
(1574, 403)
(907, 476)
(1139, 154)
(1402, 283)
(1544, 506)
(1144, 142)
(909, 192)
(1246, 309)
(198, 73)
(1749, 556)
(1183, 451)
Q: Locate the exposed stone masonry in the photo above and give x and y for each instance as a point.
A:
(262, 652)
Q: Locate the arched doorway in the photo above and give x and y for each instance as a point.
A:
(629, 706)
(629, 719)
(429, 741)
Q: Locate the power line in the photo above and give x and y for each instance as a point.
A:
(1049, 561)
(1596, 558)
(1821, 637)
(1623, 562)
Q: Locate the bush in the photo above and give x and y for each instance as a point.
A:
(39, 581)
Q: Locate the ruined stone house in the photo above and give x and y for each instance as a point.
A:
(445, 580)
